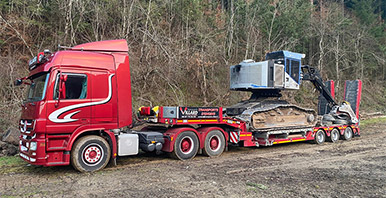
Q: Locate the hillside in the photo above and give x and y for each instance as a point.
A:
(181, 50)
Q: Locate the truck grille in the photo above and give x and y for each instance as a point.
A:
(27, 126)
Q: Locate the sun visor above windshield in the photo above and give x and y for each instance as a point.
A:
(107, 46)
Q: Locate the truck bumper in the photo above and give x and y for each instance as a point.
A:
(31, 155)
(37, 155)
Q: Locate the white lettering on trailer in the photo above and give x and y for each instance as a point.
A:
(53, 117)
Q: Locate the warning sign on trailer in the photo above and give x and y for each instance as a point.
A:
(198, 112)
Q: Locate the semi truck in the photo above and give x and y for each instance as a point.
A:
(79, 110)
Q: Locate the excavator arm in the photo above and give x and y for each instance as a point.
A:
(312, 74)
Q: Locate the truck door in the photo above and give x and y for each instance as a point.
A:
(104, 112)
(67, 114)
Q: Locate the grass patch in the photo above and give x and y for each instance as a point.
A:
(14, 164)
(372, 121)
(11, 161)
(11, 164)
(255, 185)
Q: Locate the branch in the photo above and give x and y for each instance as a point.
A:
(18, 34)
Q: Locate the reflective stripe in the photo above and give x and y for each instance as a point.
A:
(184, 121)
(234, 137)
(288, 141)
(24, 156)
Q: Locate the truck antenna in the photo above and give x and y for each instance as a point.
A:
(63, 47)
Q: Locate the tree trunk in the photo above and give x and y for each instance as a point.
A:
(337, 63)
(68, 20)
(230, 31)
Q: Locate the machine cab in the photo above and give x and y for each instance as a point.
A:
(281, 70)
(290, 60)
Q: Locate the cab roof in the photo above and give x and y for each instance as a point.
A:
(85, 55)
(106, 46)
(286, 54)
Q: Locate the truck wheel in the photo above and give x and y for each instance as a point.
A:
(185, 146)
(90, 153)
(320, 137)
(347, 135)
(214, 143)
(334, 135)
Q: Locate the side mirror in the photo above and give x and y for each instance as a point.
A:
(62, 88)
(18, 82)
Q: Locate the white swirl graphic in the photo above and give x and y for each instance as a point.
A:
(53, 117)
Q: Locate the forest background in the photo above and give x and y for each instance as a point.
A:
(180, 50)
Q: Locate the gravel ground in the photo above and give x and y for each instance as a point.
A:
(355, 168)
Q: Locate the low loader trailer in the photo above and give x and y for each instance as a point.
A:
(78, 110)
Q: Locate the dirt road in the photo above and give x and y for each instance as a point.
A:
(355, 168)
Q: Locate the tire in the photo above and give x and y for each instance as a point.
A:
(90, 153)
(186, 146)
(214, 143)
(340, 122)
(326, 123)
(334, 135)
(320, 137)
(348, 133)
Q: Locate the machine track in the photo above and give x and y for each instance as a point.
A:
(272, 115)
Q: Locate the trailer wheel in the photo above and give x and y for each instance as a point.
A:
(90, 153)
(214, 143)
(185, 146)
(334, 135)
(348, 133)
(320, 137)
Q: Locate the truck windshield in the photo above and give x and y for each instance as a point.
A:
(37, 88)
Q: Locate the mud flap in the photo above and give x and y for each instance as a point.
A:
(323, 107)
(352, 94)
(113, 162)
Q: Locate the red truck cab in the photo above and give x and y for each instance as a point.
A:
(74, 93)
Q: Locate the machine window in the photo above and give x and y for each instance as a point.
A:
(76, 86)
(287, 66)
(295, 66)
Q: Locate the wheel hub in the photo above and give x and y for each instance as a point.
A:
(214, 143)
(348, 133)
(334, 135)
(320, 137)
(186, 145)
(92, 154)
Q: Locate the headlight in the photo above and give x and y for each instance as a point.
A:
(33, 146)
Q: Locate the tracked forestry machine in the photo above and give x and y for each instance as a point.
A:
(264, 111)
(78, 110)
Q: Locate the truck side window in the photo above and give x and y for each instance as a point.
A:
(76, 86)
